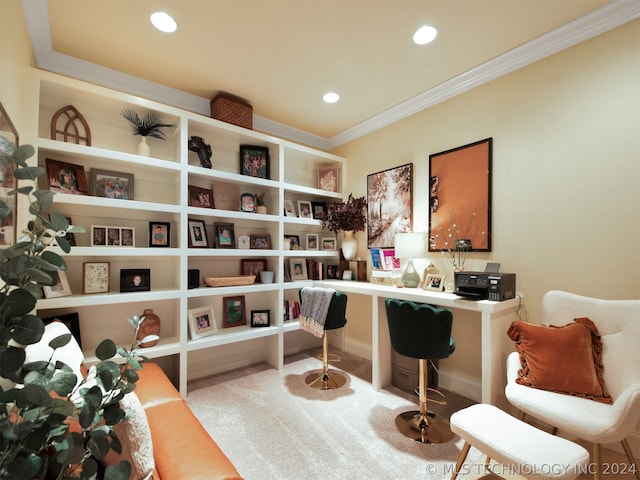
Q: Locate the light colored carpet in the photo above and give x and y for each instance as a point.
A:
(272, 426)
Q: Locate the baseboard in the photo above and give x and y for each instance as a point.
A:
(358, 348)
(460, 384)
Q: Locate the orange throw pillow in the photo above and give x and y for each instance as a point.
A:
(565, 359)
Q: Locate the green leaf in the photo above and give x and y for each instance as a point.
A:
(106, 350)
(12, 360)
(87, 415)
(19, 302)
(33, 395)
(21, 154)
(26, 330)
(63, 383)
(60, 341)
(89, 469)
(28, 173)
(98, 445)
(113, 414)
(121, 471)
(71, 455)
(108, 373)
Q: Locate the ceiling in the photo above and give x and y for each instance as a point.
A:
(282, 56)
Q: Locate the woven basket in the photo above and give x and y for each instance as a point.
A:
(232, 110)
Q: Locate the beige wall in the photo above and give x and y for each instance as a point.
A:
(566, 171)
(16, 56)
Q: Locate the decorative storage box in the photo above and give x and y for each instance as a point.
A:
(233, 110)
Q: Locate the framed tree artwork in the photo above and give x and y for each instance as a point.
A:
(389, 205)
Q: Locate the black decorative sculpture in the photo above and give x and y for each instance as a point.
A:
(203, 149)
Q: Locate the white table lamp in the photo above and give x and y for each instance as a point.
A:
(409, 246)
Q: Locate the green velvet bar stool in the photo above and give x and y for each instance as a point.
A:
(336, 318)
(418, 330)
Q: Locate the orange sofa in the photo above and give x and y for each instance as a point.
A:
(182, 448)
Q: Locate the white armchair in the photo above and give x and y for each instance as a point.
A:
(618, 322)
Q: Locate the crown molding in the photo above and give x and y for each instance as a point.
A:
(595, 23)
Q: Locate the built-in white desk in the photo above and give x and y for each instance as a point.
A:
(495, 317)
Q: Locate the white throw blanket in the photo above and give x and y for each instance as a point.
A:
(314, 308)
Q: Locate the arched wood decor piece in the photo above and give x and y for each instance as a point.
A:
(73, 127)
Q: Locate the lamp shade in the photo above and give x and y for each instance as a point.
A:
(410, 245)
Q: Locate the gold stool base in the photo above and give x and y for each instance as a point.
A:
(325, 380)
(409, 424)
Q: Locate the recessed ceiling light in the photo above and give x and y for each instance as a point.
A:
(331, 97)
(425, 35)
(163, 22)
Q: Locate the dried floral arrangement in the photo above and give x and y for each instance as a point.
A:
(455, 240)
(345, 216)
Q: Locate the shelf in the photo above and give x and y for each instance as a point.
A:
(161, 184)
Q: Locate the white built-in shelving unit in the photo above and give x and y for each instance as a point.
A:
(161, 183)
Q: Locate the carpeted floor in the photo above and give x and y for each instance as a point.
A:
(272, 426)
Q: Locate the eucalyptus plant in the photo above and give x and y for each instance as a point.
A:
(36, 413)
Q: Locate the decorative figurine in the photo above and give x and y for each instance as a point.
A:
(203, 149)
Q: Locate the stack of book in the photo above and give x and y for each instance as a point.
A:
(291, 310)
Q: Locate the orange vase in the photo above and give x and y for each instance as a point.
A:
(149, 326)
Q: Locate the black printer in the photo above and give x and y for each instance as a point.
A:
(485, 285)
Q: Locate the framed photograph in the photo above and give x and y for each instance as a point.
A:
(113, 236)
(328, 178)
(98, 236)
(60, 289)
(95, 277)
(197, 234)
(202, 323)
(260, 318)
(389, 205)
(298, 269)
(105, 183)
(226, 197)
(328, 243)
(159, 234)
(244, 241)
(233, 309)
(260, 242)
(318, 209)
(304, 209)
(201, 197)
(254, 161)
(224, 235)
(66, 177)
(135, 280)
(72, 322)
(312, 241)
(294, 242)
(8, 143)
(127, 237)
(433, 282)
(333, 272)
(253, 266)
(289, 209)
(247, 202)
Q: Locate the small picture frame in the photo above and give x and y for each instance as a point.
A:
(244, 242)
(333, 272)
(197, 234)
(433, 282)
(318, 210)
(200, 197)
(108, 184)
(233, 309)
(135, 280)
(260, 318)
(304, 209)
(254, 161)
(289, 209)
(298, 269)
(313, 241)
(202, 322)
(160, 234)
(328, 178)
(95, 277)
(253, 266)
(260, 242)
(294, 242)
(328, 243)
(224, 235)
(66, 177)
(60, 289)
(112, 236)
(248, 202)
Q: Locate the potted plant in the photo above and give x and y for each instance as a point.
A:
(35, 416)
(148, 126)
(347, 217)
